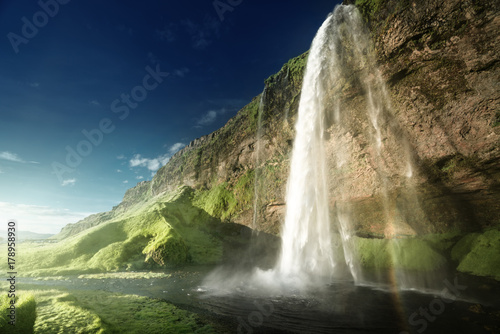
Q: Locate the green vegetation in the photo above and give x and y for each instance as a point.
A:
(243, 190)
(463, 247)
(218, 201)
(411, 253)
(479, 254)
(25, 313)
(252, 116)
(167, 247)
(293, 70)
(474, 253)
(368, 8)
(197, 163)
(60, 311)
(442, 242)
(165, 231)
(224, 201)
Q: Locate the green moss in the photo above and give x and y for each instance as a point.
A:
(197, 162)
(167, 247)
(414, 254)
(102, 312)
(443, 242)
(25, 313)
(115, 255)
(463, 247)
(196, 228)
(372, 253)
(244, 190)
(368, 8)
(252, 111)
(219, 201)
(479, 254)
(293, 70)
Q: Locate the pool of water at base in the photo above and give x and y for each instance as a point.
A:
(467, 305)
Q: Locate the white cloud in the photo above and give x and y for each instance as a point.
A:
(151, 164)
(140, 177)
(14, 158)
(40, 219)
(95, 103)
(118, 170)
(126, 181)
(176, 147)
(10, 156)
(121, 157)
(69, 182)
(209, 117)
(155, 163)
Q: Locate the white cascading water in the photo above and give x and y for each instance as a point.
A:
(340, 49)
(306, 239)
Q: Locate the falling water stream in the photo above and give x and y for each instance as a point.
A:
(258, 162)
(340, 51)
(306, 237)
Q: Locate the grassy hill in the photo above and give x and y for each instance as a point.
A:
(167, 230)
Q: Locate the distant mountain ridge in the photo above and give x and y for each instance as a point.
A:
(25, 235)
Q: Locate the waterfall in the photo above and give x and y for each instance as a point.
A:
(306, 238)
(258, 161)
(340, 57)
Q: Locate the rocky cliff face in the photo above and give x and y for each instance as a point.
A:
(439, 60)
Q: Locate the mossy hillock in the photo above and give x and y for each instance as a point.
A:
(167, 231)
(25, 313)
(408, 253)
(479, 254)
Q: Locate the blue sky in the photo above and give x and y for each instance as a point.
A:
(124, 85)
